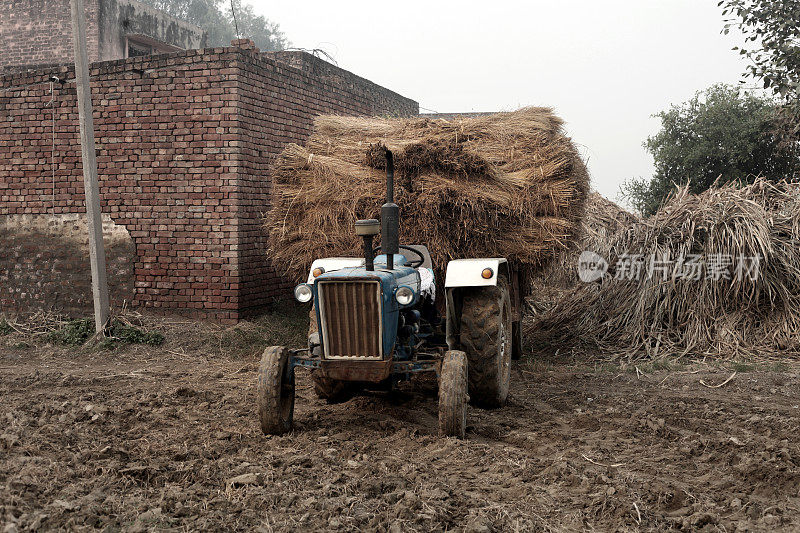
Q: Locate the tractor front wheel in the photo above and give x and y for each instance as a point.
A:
(275, 391)
(453, 395)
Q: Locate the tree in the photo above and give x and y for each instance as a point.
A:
(772, 44)
(216, 17)
(720, 133)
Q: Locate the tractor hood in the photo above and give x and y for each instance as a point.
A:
(390, 281)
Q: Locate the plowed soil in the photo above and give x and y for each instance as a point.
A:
(166, 438)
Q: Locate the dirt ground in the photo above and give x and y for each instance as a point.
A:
(166, 438)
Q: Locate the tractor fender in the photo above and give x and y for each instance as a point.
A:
(468, 272)
(461, 275)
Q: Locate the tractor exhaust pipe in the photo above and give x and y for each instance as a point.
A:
(390, 216)
(389, 176)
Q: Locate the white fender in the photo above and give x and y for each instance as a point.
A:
(334, 263)
(467, 272)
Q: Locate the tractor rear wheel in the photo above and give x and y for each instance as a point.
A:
(275, 391)
(486, 337)
(332, 390)
(453, 395)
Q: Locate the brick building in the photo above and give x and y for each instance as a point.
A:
(184, 144)
(37, 32)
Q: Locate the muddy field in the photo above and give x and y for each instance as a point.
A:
(166, 438)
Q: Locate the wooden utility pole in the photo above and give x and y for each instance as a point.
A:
(97, 254)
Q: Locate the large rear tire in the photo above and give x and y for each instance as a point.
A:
(486, 337)
(453, 395)
(275, 391)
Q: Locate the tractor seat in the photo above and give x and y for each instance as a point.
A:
(427, 282)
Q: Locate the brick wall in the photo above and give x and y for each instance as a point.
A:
(39, 32)
(281, 93)
(184, 143)
(36, 32)
(44, 263)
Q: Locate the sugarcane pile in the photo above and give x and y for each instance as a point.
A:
(713, 274)
(503, 185)
(602, 221)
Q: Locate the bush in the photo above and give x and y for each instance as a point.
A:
(73, 333)
(721, 133)
(77, 332)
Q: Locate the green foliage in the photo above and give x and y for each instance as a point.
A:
(772, 37)
(216, 17)
(77, 332)
(73, 333)
(720, 134)
(5, 327)
(772, 45)
(124, 334)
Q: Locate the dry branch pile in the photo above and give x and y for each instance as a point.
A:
(699, 291)
(603, 221)
(509, 185)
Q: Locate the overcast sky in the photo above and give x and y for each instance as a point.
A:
(605, 65)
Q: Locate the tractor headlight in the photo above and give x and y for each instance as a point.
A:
(404, 296)
(303, 293)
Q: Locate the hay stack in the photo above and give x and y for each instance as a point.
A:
(677, 315)
(603, 221)
(509, 185)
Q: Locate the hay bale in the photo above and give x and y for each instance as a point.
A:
(673, 314)
(509, 185)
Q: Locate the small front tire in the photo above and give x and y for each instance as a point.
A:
(453, 395)
(275, 391)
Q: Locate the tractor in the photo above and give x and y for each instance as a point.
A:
(375, 322)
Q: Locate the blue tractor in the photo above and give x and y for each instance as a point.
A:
(375, 322)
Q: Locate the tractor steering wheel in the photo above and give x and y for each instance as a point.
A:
(413, 263)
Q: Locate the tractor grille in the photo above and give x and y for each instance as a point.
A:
(351, 319)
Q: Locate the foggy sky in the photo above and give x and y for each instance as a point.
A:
(605, 65)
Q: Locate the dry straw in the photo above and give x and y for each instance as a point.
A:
(509, 185)
(676, 315)
(603, 221)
